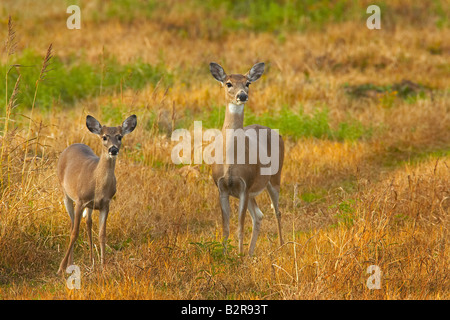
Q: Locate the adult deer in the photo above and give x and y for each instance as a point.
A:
(89, 181)
(245, 179)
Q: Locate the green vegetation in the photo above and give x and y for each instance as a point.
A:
(69, 81)
(346, 213)
(295, 124)
(404, 89)
(272, 16)
(313, 196)
(263, 16)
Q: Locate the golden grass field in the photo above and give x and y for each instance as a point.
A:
(377, 195)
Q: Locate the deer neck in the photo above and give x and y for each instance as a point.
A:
(234, 117)
(234, 120)
(105, 170)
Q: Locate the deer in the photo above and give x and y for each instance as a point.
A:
(89, 183)
(245, 180)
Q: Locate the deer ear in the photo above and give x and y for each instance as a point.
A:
(255, 72)
(217, 72)
(93, 125)
(129, 124)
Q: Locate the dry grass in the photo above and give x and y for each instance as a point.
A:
(380, 200)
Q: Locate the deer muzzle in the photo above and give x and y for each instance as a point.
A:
(113, 151)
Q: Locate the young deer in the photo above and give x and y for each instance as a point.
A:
(89, 181)
(244, 180)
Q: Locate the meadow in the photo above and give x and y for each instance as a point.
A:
(365, 115)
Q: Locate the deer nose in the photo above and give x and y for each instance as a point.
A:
(114, 151)
(242, 96)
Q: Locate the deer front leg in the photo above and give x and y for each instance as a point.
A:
(71, 211)
(89, 232)
(73, 238)
(102, 232)
(243, 202)
(224, 200)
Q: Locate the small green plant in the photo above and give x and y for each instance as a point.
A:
(215, 250)
(313, 196)
(345, 216)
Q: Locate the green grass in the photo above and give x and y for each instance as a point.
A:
(275, 16)
(388, 95)
(301, 15)
(73, 80)
(398, 157)
(313, 196)
(113, 113)
(126, 11)
(405, 89)
(345, 213)
(295, 124)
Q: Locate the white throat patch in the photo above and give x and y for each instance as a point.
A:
(234, 108)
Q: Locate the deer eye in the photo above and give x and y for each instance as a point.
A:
(104, 138)
(229, 85)
(247, 84)
(119, 138)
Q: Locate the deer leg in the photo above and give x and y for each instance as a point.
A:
(73, 238)
(224, 200)
(257, 216)
(243, 203)
(102, 232)
(68, 203)
(274, 193)
(89, 232)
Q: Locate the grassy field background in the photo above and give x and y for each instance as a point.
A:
(365, 115)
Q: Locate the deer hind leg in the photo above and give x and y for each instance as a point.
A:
(257, 216)
(73, 238)
(88, 214)
(68, 203)
(274, 193)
